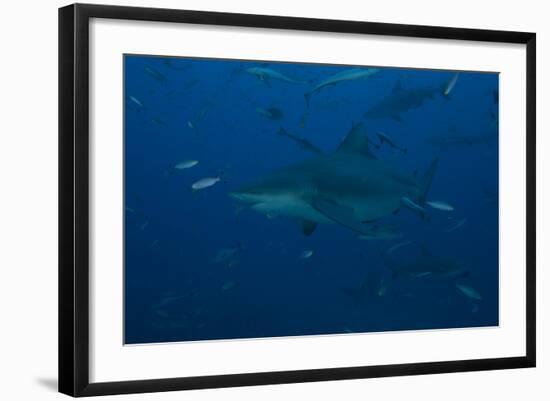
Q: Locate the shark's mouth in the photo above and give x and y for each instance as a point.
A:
(244, 197)
(238, 196)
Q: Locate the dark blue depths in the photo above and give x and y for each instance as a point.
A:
(199, 266)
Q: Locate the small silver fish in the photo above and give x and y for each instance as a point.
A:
(449, 87)
(306, 254)
(456, 226)
(205, 183)
(185, 164)
(469, 292)
(440, 205)
(154, 73)
(136, 101)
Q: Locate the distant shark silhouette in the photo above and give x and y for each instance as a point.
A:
(402, 100)
(348, 187)
(426, 264)
(347, 75)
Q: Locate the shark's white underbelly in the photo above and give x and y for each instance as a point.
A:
(290, 206)
(364, 209)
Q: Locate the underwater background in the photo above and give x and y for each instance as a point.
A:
(199, 265)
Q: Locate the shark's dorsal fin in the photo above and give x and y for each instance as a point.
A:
(397, 87)
(356, 141)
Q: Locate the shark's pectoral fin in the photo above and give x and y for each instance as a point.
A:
(308, 227)
(339, 214)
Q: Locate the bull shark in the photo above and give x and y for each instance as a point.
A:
(347, 75)
(348, 187)
(402, 100)
(266, 74)
(426, 265)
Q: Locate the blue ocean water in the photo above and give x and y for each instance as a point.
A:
(200, 265)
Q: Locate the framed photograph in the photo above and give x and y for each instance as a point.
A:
(250, 199)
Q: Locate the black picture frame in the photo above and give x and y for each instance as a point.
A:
(74, 198)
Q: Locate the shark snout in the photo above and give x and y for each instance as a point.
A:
(237, 195)
(246, 197)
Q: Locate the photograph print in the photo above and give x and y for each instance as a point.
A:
(274, 199)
